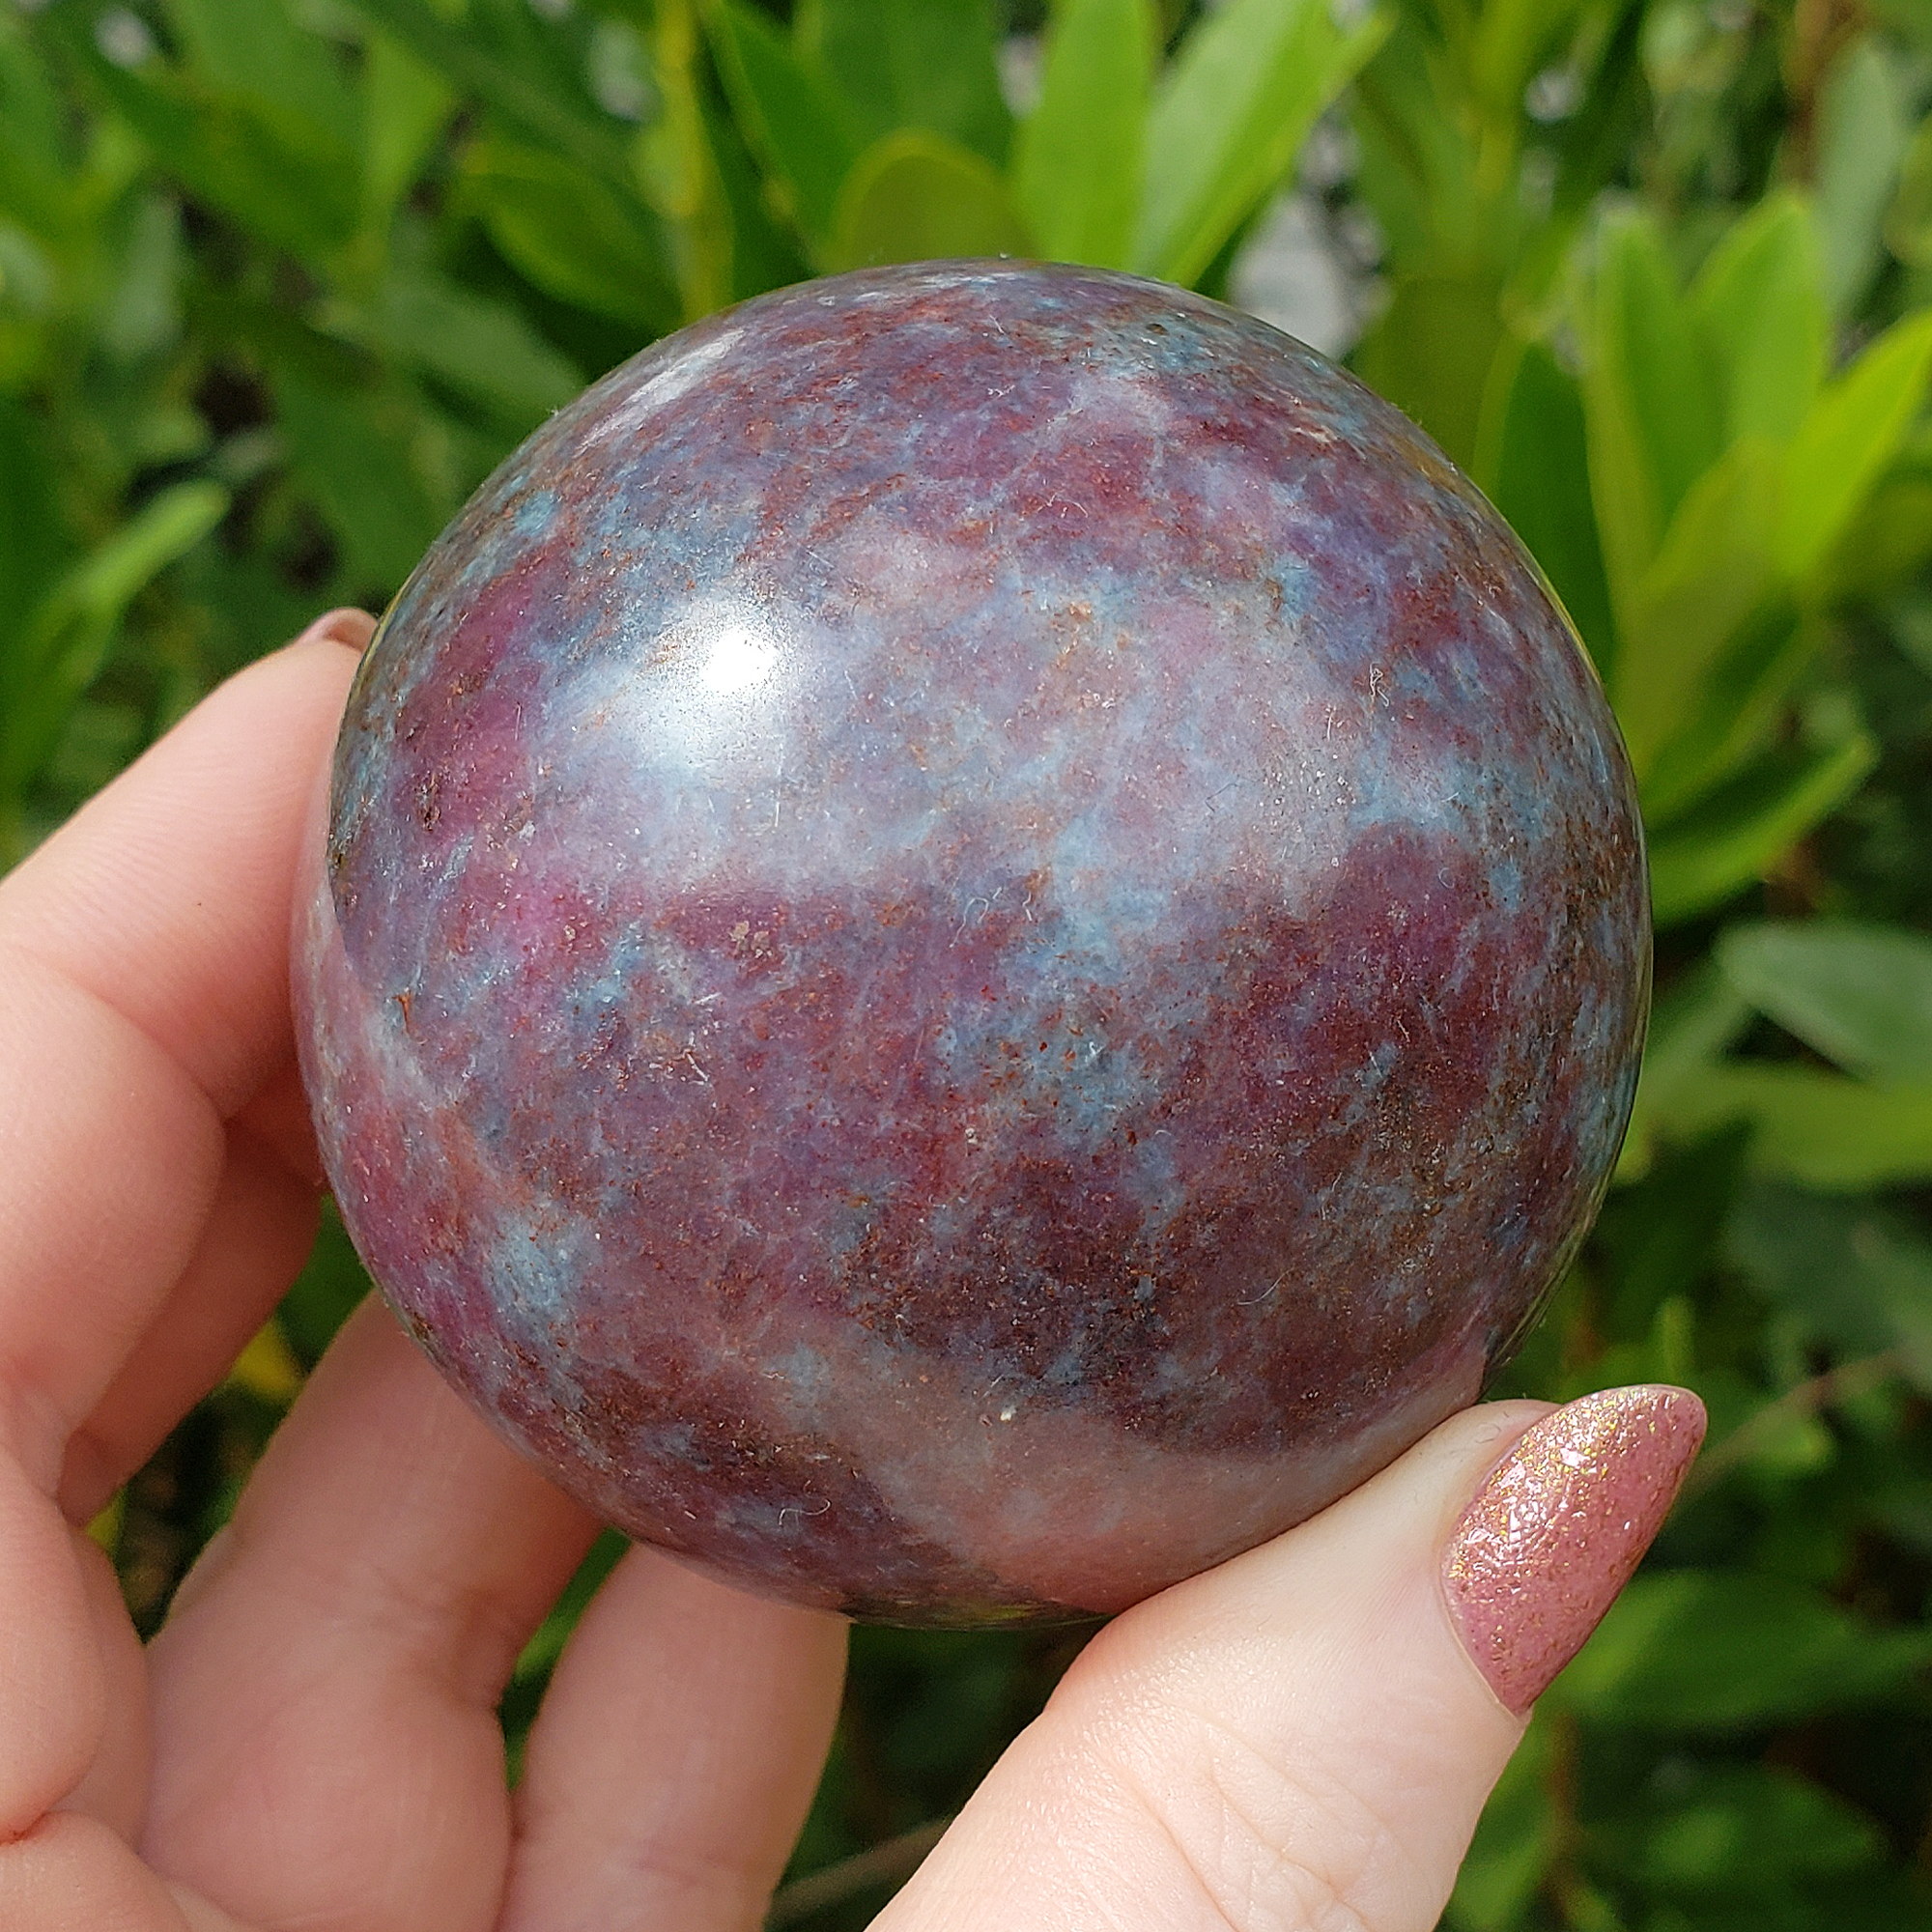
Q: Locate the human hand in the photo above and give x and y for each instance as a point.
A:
(1302, 1738)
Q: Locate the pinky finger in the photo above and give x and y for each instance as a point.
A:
(71, 1871)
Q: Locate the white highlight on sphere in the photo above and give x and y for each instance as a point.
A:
(739, 659)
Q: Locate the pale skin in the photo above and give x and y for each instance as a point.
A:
(1295, 1740)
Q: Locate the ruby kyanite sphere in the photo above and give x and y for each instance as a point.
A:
(980, 936)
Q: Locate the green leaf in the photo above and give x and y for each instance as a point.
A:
(1229, 118)
(913, 63)
(1759, 302)
(1649, 398)
(287, 180)
(32, 543)
(1863, 126)
(913, 196)
(65, 640)
(1714, 571)
(1690, 1026)
(571, 236)
(482, 349)
(1737, 710)
(1418, 162)
(1857, 1277)
(524, 98)
(258, 50)
(144, 316)
(1847, 439)
(763, 253)
(1884, 548)
(405, 106)
(1510, 39)
(167, 526)
(1715, 1651)
(1908, 223)
(1861, 995)
(327, 1292)
(1078, 157)
(363, 455)
(1739, 1830)
(802, 133)
(1432, 354)
(1733, 836)
(1817, 1128)
(678, 164)
(1534, 460)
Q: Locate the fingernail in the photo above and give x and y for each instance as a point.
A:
(1558, 1527)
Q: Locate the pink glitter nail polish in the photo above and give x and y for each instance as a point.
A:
(1558, 1527)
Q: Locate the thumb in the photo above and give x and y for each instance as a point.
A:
(1305, 1736)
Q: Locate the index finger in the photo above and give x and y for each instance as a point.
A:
(143, 1002)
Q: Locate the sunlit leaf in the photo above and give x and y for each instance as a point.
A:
(1760, 303)
(1510, 40)
(282, 176)
(1861, 995)
(405, 106)
(1850, 434)
(1907, 222)
(482, 349)
(1229, 116)
(1078, 157)
(259, 49)
(64, 641)
(570, 126)
(1432, 354)
(1814, 1128)
(1714, 569)
(676, 160)
(914, 195)
(359, 452)
(1650, 400)
(1691, 1025)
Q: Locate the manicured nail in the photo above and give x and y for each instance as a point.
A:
(1558, 1527)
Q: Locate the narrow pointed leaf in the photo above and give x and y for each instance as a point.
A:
(1649, 398)
(1229, 117)
(1733, 837)
(1861, 995)
(1714, 569)
(1078, 158)
(802, 133)
(1536, 466)
(1849, 436)
(1760, 304)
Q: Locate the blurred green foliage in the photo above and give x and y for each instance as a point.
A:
(280, 281)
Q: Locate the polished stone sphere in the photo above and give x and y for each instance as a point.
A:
(978, 936)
